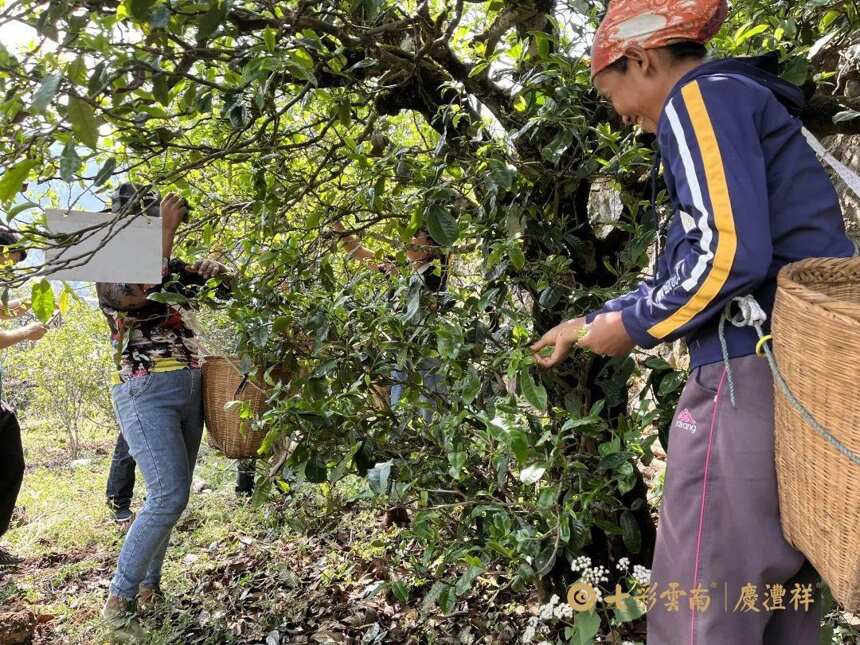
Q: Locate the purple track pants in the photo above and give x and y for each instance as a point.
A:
(723, 573)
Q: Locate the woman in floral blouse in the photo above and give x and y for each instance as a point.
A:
(158, 401)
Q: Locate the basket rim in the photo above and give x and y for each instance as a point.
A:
(788, 282)
(255, 379)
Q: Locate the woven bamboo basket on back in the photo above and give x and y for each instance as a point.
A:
(224, 382)
(816, 330)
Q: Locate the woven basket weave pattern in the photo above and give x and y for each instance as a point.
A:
(227, 432)
(816, 329)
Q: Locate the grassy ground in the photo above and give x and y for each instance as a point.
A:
(284, 571)
(308, 567)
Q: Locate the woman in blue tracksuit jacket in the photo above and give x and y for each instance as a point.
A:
(749, 196)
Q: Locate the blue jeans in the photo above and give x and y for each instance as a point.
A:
(161, 417)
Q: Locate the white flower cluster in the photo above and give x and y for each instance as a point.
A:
(592, 575)
(531, 631)
(547, 611)
(642, 575)
(563, 612)
(580, 563)
(554, 609)
(595, 575)
(528, 634)
(623, 565)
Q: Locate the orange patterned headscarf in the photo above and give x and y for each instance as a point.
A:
(654, 23)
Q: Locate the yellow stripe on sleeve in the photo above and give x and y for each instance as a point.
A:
(727, 241)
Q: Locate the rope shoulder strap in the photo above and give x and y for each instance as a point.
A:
(851, 178)
(750, 314)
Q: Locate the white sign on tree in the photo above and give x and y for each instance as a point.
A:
(125, 250)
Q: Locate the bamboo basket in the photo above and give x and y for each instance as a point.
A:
(224, 382)
(816, 330)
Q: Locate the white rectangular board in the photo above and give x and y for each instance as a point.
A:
(130, 249)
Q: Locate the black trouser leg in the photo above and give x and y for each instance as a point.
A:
(120, 484)
(11, 467)
(245, 476)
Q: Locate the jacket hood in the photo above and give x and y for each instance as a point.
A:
(763, 70)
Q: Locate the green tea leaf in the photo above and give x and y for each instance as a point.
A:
(19, 208)
(532, 474)
(303, 60)
(378, 477)
(84, 123)
(846, 115)
(76, 71)
(548, 496)
(457, 459)
(413, 304)
(344, 116)
(69, 162)
(750, 33)
(630, 610)
(469, 387)
(519, 445)
(479, 69)
(447, 599)
(43, 96)
(671, 383)
(139, 9)
(535, 393)
(160, 89)
(160, 17)
(189, 98)
(433, 595)
(796, 70)
(42, 296)
(549, 297)
(14, 178)
(269, 35)
(167, 298)
(208, 23)
(518, 258)
(97, 80)
(608, 527)
(105, 172)
(443, 227)
(585, 628)
(400, 591)
(447, 342)
(66, 298)
(613, 461)
(465, 582)
(631, 534)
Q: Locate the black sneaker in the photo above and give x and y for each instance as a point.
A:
(123, 516)
(8, 559)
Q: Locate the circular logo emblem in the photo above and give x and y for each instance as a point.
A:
(581, 597)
